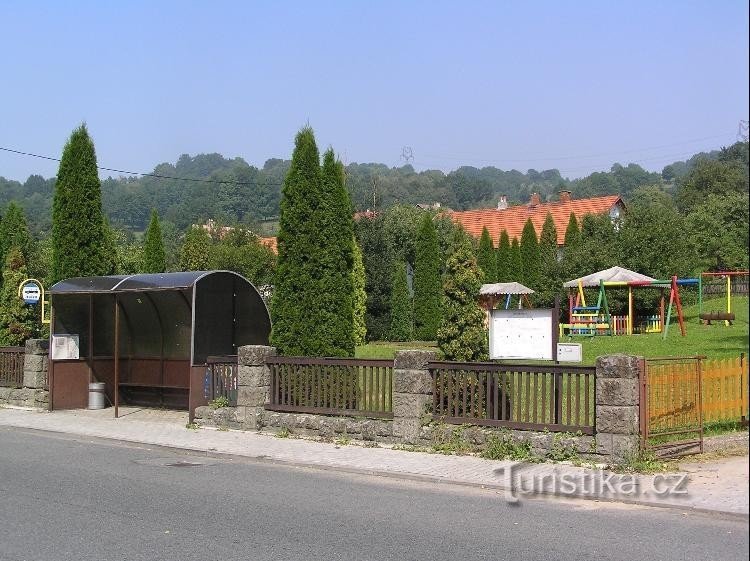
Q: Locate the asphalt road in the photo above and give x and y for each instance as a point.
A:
(65, 498)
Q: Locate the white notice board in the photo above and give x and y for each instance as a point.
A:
(522, 334)
(65, 347)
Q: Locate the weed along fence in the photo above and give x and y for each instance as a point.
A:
(536, 397)
(331, 386)
(11, 366)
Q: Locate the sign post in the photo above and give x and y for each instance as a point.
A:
(32, 292)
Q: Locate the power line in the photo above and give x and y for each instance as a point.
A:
(542, 159)
(154, 175)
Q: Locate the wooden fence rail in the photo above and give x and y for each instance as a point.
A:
(331, 386)
(11, 366)
(519, 396)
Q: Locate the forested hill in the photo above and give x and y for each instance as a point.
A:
(232, 191)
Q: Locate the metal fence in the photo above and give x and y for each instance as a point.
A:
(11, 366)
(331, 386)
(518, 396)
(220, 380)
(671, 408)
(725, 390)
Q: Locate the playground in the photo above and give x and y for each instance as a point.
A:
(714, 341)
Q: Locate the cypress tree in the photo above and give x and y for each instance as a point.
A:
(486, 258)
(516, 263)
(572, 232)
(377, 256)
(14, 232)
(504, 258)
(195, 254)
(17, 320)
(401, 308)
(530, 256)
(360, 297)
(312, 308)
(154, 260)
(293, 304)
(334, 244)
(78, 229)
(462, 335)
(427, 284)
(549, 269)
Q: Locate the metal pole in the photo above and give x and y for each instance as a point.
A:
(117, 356)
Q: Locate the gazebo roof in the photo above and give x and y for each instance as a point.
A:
(613, 274)
(503, 288)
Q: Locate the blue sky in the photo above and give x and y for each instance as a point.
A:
(573, 85)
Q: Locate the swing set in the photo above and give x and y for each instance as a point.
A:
(714, 283)
(597, 320)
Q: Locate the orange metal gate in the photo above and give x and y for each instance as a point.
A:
(671, 406)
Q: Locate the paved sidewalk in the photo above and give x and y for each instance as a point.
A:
(718, 486)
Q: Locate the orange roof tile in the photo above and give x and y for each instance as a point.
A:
(513, 219)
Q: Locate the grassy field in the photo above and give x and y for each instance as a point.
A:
(713, 341)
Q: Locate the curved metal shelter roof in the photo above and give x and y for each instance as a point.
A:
(125, 283)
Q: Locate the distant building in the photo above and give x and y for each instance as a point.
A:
(513, 218)
(219, 232)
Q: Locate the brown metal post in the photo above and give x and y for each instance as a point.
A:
(555, 328)
(50, 362)
(117, 356)
(90, 353)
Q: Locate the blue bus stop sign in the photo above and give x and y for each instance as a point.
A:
(30, 293)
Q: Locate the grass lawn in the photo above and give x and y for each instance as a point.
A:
(713, 341)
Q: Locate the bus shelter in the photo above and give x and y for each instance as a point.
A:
(147, 337)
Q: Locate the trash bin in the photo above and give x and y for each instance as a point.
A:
(96, 395)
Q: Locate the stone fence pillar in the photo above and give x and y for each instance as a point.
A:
(618, 406)
(253, 384)
(412, 393)
(36, 364)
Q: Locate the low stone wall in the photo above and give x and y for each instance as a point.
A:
(617, 406)
(476, 438)
(34, 392)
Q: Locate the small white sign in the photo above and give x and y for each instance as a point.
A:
(65, 347)
(31, 293)
(569, 352)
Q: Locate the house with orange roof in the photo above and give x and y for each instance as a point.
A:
(512, 219)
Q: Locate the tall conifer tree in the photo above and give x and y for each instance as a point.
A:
(334, 246)
(516, 263)
(427, 284)
(530, 256)
(18, 321)
(486, 258)
(294, 305)
(79, 237)
(401, 307)
(550, 283)
(504, 259)
(154, 260)
(360, 297)
(313, 302)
